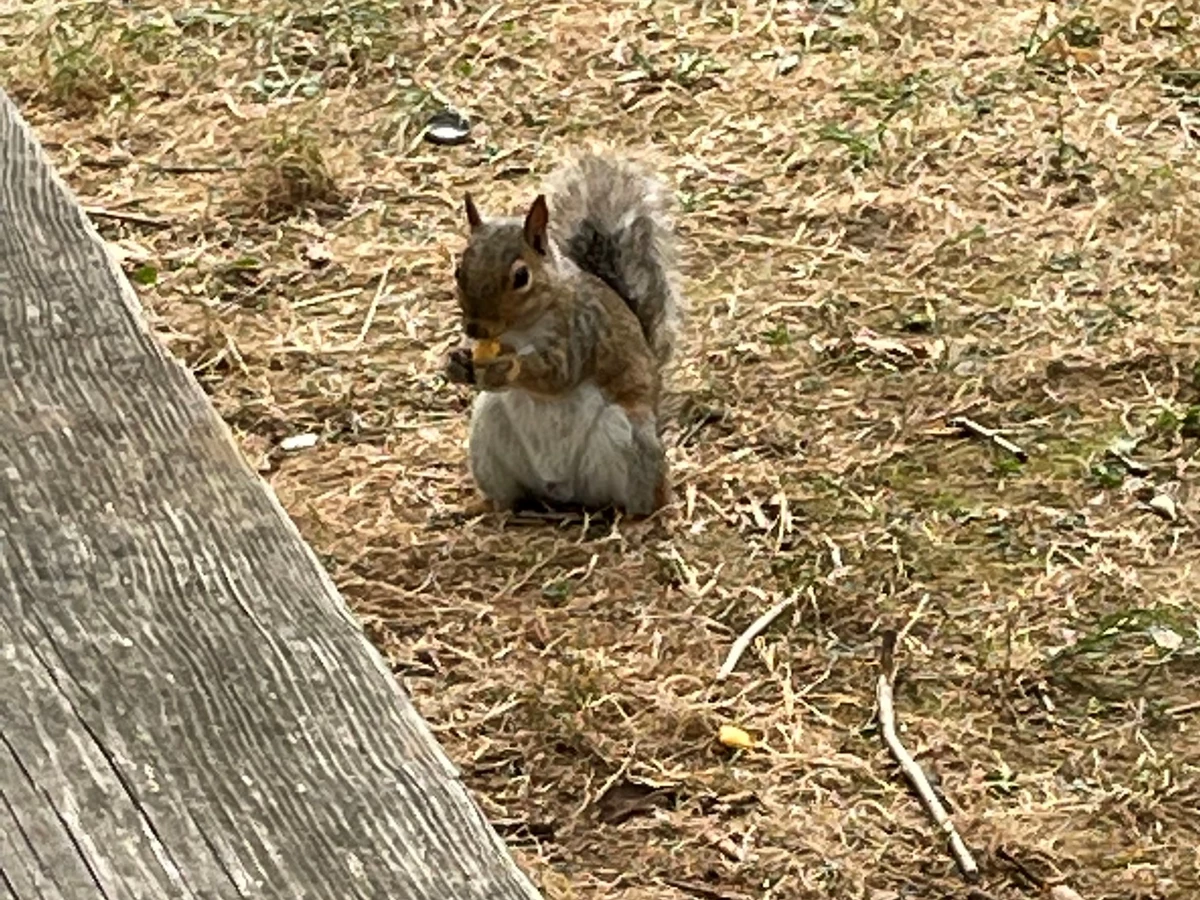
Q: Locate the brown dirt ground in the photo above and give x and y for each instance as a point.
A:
(889, 215)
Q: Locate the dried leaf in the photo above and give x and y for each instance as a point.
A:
(1164, 506)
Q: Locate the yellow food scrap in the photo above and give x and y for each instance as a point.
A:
(732, 736)
(485, 350)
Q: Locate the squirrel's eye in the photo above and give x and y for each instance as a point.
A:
(520, 277)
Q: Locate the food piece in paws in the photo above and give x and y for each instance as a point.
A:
(485, 350)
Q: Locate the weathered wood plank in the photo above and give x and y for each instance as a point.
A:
(187, 709)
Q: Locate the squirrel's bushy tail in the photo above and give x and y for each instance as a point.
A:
(612, 219)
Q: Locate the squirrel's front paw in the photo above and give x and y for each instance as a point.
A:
(460, 369)
(497, 373)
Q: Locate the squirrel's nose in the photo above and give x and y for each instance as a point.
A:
(474, 330)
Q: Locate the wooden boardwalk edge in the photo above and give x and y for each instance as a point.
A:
(187, 707)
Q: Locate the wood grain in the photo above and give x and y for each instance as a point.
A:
(187, 708)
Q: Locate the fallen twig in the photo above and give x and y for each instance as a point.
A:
(757, 627)
(908, 626)
(97, 212)
(1132, 465)
(887, 724)
(1184, 708)
(1027, 874)
(373, 308)
(698, 890)
(990, 434)
(193, 169)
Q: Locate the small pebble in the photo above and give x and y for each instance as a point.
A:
(298, 441)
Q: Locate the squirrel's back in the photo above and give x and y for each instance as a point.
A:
(612, 219)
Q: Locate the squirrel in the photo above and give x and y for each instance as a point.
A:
(576, 311)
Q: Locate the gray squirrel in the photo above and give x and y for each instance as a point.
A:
(575, 310)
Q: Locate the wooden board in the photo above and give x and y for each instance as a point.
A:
(187, 708)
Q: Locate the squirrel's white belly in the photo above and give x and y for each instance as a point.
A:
(572, 449)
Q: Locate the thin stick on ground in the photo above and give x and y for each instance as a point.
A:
(912, 620)
(912, 769)
(196, 169)
(374, 307)
(1184, 708)
(757, 627)
(990, 434)
(116, 215)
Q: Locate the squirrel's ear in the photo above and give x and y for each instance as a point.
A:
(473, 217)
(535, 224)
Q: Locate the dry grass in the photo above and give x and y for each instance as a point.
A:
(905, 212)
